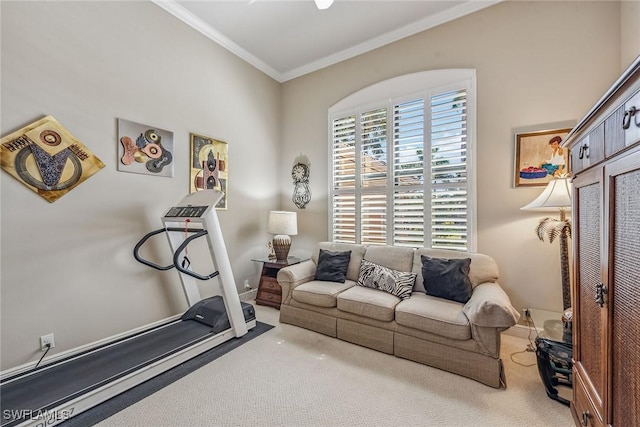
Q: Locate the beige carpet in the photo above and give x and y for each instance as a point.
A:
(293, 377)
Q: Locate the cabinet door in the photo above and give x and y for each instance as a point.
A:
(590, 338)
(623, 216)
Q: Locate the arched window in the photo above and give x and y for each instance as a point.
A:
(402, 155)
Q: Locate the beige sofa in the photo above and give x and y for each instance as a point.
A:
(456, 337)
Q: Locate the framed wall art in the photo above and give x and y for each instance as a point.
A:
(144, 149)
(46, 158)
(539, 157)
(209, 166)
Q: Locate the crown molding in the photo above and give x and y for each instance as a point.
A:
(198, 24)
(392, 36)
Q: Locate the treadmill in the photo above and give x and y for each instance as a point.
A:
(66, 386)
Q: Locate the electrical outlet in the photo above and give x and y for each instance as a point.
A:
(47, 339)
(526, 313)
(247, 286)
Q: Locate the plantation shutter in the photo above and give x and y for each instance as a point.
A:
(373, 177)
(344, 180)
(400, 172)
(408, 173)
(449, 193)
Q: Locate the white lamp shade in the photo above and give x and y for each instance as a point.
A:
(282, 222)
(323, 4)
(556, 196)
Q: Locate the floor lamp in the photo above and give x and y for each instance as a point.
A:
(556, 197)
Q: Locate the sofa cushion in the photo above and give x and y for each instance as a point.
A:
(368, 302)
(398, 283)
(332, 266)
(357, 253)
(447, 278)
(434, 315)
(320, 293)
(395, 257)
(483, 267)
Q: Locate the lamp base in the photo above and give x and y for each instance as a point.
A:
(281, 246)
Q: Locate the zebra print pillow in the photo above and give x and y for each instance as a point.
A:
(398, 283)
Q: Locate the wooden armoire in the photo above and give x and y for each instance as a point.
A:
(604, 152)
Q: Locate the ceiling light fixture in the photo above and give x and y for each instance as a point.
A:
(323, 4)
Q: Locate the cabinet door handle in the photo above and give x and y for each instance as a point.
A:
(601, 289)
(626, 120)
(584, 151)
(585, 418)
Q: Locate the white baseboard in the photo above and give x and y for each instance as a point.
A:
(521, 331)
(248, 295)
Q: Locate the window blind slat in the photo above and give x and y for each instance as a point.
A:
(343, 153)
(344, 214)
(408, 143)
(373, 218)
(373, 147)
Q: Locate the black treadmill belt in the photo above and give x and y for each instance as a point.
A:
(58, 384)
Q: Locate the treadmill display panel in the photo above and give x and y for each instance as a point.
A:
(186, 211)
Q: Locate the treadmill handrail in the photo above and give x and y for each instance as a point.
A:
(181, 269)
(142, 241)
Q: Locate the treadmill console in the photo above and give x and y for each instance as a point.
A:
(186, 212)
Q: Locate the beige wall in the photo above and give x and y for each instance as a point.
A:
(67, 267)
(630, 32)
(537, 63)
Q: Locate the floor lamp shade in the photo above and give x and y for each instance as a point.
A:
(283, 224)
(556, 196)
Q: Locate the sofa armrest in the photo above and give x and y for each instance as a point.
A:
(490, 306)
(295, 275)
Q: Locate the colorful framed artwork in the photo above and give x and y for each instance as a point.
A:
(539, 157)
(144, 149)
(46, 158)
(209, 166)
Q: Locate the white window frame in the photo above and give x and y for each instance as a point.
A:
(405, 88)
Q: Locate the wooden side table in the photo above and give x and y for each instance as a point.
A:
(269, 291)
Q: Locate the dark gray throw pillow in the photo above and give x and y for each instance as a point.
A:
(332, 266)
(447, 278)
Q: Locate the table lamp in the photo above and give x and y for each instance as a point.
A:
(283, 224)
(556, 197)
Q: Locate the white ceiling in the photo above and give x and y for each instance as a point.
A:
(289, 38)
